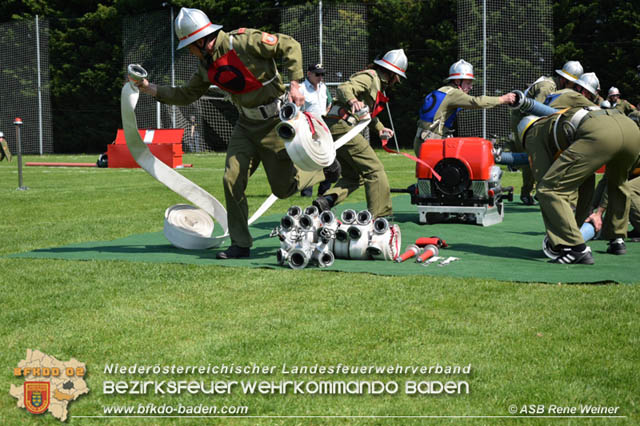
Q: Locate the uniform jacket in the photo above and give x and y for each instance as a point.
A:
(568, 98)
(624, 106)
(259, 52)
(440, 107)
(363, 86)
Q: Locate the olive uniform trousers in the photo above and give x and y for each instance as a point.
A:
(253, 142)
(360, 166)
(604, 137)
(540, 147)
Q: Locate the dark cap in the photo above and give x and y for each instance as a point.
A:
(317, 68)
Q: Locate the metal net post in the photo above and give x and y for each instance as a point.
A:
(24, 88)
(519, 49)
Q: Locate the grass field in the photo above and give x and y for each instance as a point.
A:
(527, 344)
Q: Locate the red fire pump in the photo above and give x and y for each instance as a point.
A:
(470, 187)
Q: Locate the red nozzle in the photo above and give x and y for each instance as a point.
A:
(429, 251)
(412, 250)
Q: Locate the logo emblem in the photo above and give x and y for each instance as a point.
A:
(36, 396)
(269, 39)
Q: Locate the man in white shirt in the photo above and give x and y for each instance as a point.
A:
(317, 101)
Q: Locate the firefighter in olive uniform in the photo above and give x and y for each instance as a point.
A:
(583, 138)
(243, 63)
(622, 105)
(360, 164)
(539, 90)
(440, 107)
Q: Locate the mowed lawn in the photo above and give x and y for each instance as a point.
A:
(527, 344)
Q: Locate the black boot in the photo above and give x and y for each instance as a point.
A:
(323, 203)
(234, 252)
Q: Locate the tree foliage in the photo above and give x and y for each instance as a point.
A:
(86, 50)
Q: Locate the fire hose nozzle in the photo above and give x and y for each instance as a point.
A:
(306, 222)
(288, 111)
(380, 225)
(429, 251)
(286, 131)
(412, 250)
(311, 211)
(288, 222)
(354, 232)
(385, 135)
(342, 235)
(364, 217)
(281, 256)
(348, 216)
(530, 106)
(324, 258)
(299, 257)
(136, 72)
(519, 99)
(294, 211)
(327, 217)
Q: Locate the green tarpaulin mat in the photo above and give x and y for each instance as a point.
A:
(508, 251)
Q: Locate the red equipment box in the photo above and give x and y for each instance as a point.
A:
(470, 188)
(474, 153)
(165, 144)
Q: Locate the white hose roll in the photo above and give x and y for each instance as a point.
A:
(386, 246)
(308, 150)
(341, 246)
(358, 247)
(188, 227)
(169, 177)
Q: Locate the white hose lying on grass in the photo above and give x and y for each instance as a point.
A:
(185, 226)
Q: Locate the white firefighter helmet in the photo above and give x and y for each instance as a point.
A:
(394, 60)
(1, 135)
(572, 70)
(589, 81)
(192, 25)
(461, 70)
(613, 91)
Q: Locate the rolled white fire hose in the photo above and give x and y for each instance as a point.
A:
(337, 144)
(185, 226)
(307, 138)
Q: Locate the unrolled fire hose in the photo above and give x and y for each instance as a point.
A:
(185, 226)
